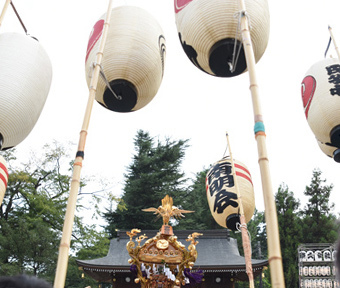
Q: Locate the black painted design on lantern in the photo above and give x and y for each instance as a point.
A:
(126, 92)
(219, 175)
(191, 52)
(219, 178)
(162, 50)
(334, 78)
(223, 199)
(221, 55)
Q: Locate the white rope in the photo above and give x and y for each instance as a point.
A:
(238, 227)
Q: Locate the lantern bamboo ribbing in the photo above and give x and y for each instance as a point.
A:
(59, 281)
(273, 239)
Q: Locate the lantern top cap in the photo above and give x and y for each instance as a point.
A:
(167, 210)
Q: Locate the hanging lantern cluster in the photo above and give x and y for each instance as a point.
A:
(210, 34)
(222, 195)
(25, 79)
(320, 90)
(133, 60)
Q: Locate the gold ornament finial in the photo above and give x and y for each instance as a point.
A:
(167, 210)
(133, 233)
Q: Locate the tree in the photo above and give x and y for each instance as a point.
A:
(318, 223)
(196, 200)
(153, 173)
(289, 231)
(32, 214)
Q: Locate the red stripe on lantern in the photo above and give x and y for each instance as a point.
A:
(4, 168)
(2, 177)
(244, 176)
(242, 168)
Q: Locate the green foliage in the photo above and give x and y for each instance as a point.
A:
(32, 216)
(290, 233)
(319, 224)
(153, 173)
(196, 200)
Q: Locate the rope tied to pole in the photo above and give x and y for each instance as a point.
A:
(18, 16)
(239, 226)
(102, 75)
(239, 15)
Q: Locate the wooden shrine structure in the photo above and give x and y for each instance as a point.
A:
(218, 257)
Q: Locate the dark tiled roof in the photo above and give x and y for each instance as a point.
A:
(216, 250)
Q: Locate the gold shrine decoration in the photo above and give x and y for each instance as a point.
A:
(163, 261)
(167, 210)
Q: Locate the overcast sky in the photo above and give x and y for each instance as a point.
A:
(190, 104)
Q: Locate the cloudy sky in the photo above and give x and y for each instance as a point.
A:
(190, 104)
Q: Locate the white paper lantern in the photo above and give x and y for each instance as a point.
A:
(208, 30)
(133, 59)
(3, 178)
(310, 255)
(303, 256)
(222, 194)
(321, 100)
(327, 256)
(318, 255)
(25, 79)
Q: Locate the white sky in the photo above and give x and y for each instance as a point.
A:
(190, 104)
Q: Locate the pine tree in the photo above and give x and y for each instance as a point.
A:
(153, 174)
(319, 224)
(196, 200)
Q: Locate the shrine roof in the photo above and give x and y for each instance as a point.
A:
(216, 252)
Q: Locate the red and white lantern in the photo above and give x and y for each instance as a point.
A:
(222, 195)
(133, 59)
(25, 79)
(209, 31)
(320, 90)
(3, 178)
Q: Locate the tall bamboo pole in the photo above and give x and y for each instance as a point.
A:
(333, 39)
(4, 11)
(60, 276)
(244, 230)
(273, 239)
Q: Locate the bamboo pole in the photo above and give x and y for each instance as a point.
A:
(4, 11)
(333, 39)
(244, 230)
(273, 239)
(60, 276)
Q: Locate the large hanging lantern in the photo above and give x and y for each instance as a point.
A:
(320, 91)
(133, 59)
(210, 33)
(222, 195)
(25, 79)
(3, 178)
